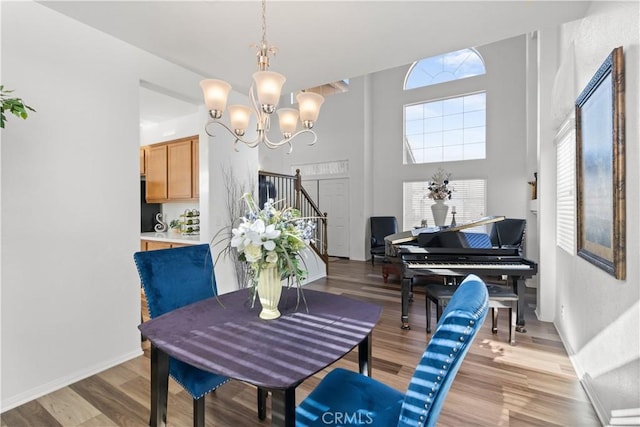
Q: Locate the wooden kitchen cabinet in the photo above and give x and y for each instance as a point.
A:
(195, 167)
(180, 165)
(157, 174)
(154, 245)
(172, 171)
(143, 160)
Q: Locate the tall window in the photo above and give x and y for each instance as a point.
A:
(446, 130)
(450, 126)
(469, 199)
(443, 68)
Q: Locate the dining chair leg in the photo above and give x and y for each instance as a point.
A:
(262, 403)
(198, 412)
(494, 317)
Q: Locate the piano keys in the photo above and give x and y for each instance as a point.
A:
(447, 267)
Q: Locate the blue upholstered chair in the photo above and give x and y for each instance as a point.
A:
(381, 227)
(173, 278)
(347, 398)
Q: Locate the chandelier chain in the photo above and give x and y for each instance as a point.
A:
(264, 23)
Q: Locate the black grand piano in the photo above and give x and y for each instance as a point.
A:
(450, 252)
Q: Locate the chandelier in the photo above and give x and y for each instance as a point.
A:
(264, 95)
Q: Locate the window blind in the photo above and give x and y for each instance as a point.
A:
(469, 199)
(566, 186)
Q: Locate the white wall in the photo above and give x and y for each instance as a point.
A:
(601, 322)
(365, 126)
(70, 206)
(218, 156)
(547, 64)
(179, 127)
(532, 248)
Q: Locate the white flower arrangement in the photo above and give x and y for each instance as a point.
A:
(439, 186)
(271, 236)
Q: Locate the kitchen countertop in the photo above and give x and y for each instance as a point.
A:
(171, 237)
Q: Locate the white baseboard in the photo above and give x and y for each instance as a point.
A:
(603, 415)
(625, 417)
(59, 383)
(631, 412)
(585, 380)
(318, 275)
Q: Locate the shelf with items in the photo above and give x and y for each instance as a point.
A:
(190, 222)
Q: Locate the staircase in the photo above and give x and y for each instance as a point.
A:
(289, 189)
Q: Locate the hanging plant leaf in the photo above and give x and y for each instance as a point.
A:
(14, 105)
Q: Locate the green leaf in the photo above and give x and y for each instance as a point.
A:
(14, 105)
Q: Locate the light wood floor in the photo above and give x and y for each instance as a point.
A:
(530, 384)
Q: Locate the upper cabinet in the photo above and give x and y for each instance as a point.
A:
(179, 166)
(143, 160)
(195, 167)
(172, 171)
(156, 175)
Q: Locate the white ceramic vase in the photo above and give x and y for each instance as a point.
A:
(269, 291)
(439, 210)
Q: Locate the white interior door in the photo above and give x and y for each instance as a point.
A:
(333, 198)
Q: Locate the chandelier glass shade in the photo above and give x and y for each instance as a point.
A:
(264, 95)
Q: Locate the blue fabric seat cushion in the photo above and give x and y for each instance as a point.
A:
(195, 381)
(346, 398)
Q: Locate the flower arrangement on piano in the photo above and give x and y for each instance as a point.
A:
(273, 237)
(439, 186)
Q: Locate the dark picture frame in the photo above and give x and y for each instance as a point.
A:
(600, 158)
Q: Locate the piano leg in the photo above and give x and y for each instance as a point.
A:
(406, 295)
(520, 289)
(411, 291)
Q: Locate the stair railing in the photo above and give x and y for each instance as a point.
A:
(289, 189)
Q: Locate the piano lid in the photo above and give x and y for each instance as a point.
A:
(412, 235)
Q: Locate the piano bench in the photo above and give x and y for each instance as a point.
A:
(499, 297)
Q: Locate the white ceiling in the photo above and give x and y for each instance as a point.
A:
(318, 41)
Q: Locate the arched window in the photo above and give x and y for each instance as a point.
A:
(451, 128)
(443, 68)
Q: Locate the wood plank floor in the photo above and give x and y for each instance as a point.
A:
(530, 384)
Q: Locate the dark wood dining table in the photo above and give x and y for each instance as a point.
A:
(225, 336)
